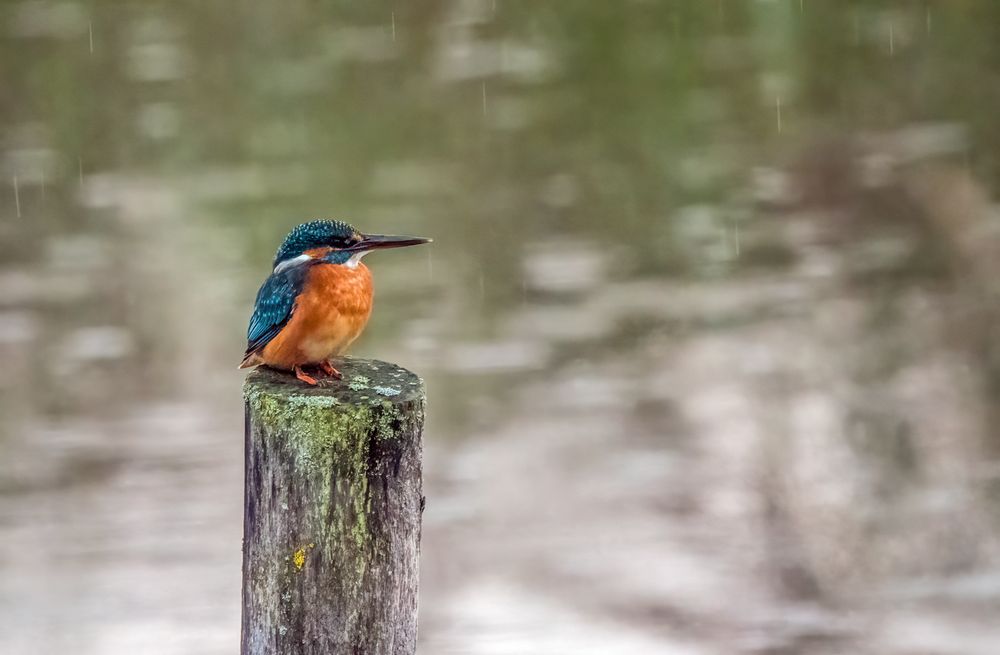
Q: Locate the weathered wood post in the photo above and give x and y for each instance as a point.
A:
(332, 510)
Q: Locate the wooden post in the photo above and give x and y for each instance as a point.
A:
(332, 508)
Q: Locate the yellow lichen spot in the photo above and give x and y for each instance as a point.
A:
(299, 556)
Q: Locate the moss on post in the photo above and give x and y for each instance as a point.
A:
(332, 512)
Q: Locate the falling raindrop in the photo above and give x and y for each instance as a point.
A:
(393, 26)
(777, 106)
(927, 19)
(41, 181)
(79, 165)
(736, 239)
(17, 198)
(892, 42)
(857, 28)
(90, 35)
(484, 99)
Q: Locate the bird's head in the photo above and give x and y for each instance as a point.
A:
(335, 242)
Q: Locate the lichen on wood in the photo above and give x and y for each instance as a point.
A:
(332, 512)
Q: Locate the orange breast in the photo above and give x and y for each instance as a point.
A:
(330, 313)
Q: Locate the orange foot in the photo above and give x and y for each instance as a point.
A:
(308, 379)
(328, 368)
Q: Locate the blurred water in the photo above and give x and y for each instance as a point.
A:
(708, 325)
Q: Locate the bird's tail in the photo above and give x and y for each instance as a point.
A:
(251, 359)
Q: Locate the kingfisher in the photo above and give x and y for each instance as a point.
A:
(317, 300)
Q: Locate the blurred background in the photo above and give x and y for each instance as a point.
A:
(710, 327)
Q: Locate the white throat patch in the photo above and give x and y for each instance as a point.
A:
(356, 259)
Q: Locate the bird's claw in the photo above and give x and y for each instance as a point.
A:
(328, 368)
(302, 375)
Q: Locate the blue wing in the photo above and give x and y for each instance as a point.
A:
(274, 305)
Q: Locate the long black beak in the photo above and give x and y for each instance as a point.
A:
(377, 241)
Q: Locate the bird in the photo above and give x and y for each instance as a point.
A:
(317, 299)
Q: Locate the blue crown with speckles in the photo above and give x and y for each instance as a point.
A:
(315, 234)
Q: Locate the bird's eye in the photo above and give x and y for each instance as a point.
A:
(343, 242)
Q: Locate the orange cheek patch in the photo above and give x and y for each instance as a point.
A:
(318, 253)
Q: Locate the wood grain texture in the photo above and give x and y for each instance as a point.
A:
(332, 512)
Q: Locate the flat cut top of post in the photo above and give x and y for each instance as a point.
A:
(366, 382)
